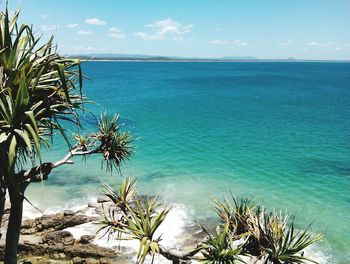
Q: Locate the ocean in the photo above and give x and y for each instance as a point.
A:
(276, 132)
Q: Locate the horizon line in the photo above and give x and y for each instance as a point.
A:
(145, 57)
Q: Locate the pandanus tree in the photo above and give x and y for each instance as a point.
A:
(245, 230)
(40, 92)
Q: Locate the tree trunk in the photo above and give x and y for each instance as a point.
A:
(14, 224)
(2, 200)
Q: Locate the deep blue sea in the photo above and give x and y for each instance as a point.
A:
(278, 133)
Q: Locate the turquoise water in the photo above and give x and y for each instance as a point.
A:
(276, 132)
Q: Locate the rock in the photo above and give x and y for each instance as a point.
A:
(68, 213)
(77, 260)
(44, 240)
(68, 241)
(85, 239)
(91, 261)
(89, 251)
(103, 199)
(105, 261)
(49, 223)
(92, 204)
(58, 237)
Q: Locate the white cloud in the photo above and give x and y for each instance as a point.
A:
(169, 26)
(236, 42)
(43, 16)
(219, 42)
(72, 25)
(84, 32)
(114, 30)
(95, 21)
(116, 33)
(46, 27)
(145, 36)
(165, 29)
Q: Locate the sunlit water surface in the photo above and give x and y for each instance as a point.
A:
(278, 133)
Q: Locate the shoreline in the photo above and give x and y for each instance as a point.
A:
(81, 244)
(69, 236)
(218, 61)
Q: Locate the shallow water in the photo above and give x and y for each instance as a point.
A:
(276, 132)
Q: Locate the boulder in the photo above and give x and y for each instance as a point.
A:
(86, 239)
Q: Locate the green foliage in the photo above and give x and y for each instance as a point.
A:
(110, 141)
(38, 89)
(134, 217)
(142, 225)
(83, 142)
(266, 234)
(115, 144)
(244, 229)
(220, 248)
(125, 194)
(236, 214)
(278, 240)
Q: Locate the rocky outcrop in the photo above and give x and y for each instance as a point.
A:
(45, 240)
(49, 223)
(58, 238)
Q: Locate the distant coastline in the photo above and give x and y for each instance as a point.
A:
(262, 61)
(150, 58)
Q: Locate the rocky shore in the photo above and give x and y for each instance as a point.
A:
(51, 238)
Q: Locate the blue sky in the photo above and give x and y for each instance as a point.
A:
(307, 29)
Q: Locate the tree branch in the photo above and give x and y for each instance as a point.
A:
(176, 256)
(42, 171)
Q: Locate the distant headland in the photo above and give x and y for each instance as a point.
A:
(141, 57)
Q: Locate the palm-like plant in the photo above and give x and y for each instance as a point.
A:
(245, 230)
(277, 239)
(235, 213)
(83, 142)
(220, 248)
(265, 234)
(115, 144)
(142, 225)
(133, 217)
(124, 195)
(38, 90)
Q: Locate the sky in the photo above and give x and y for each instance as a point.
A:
(269, 29)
